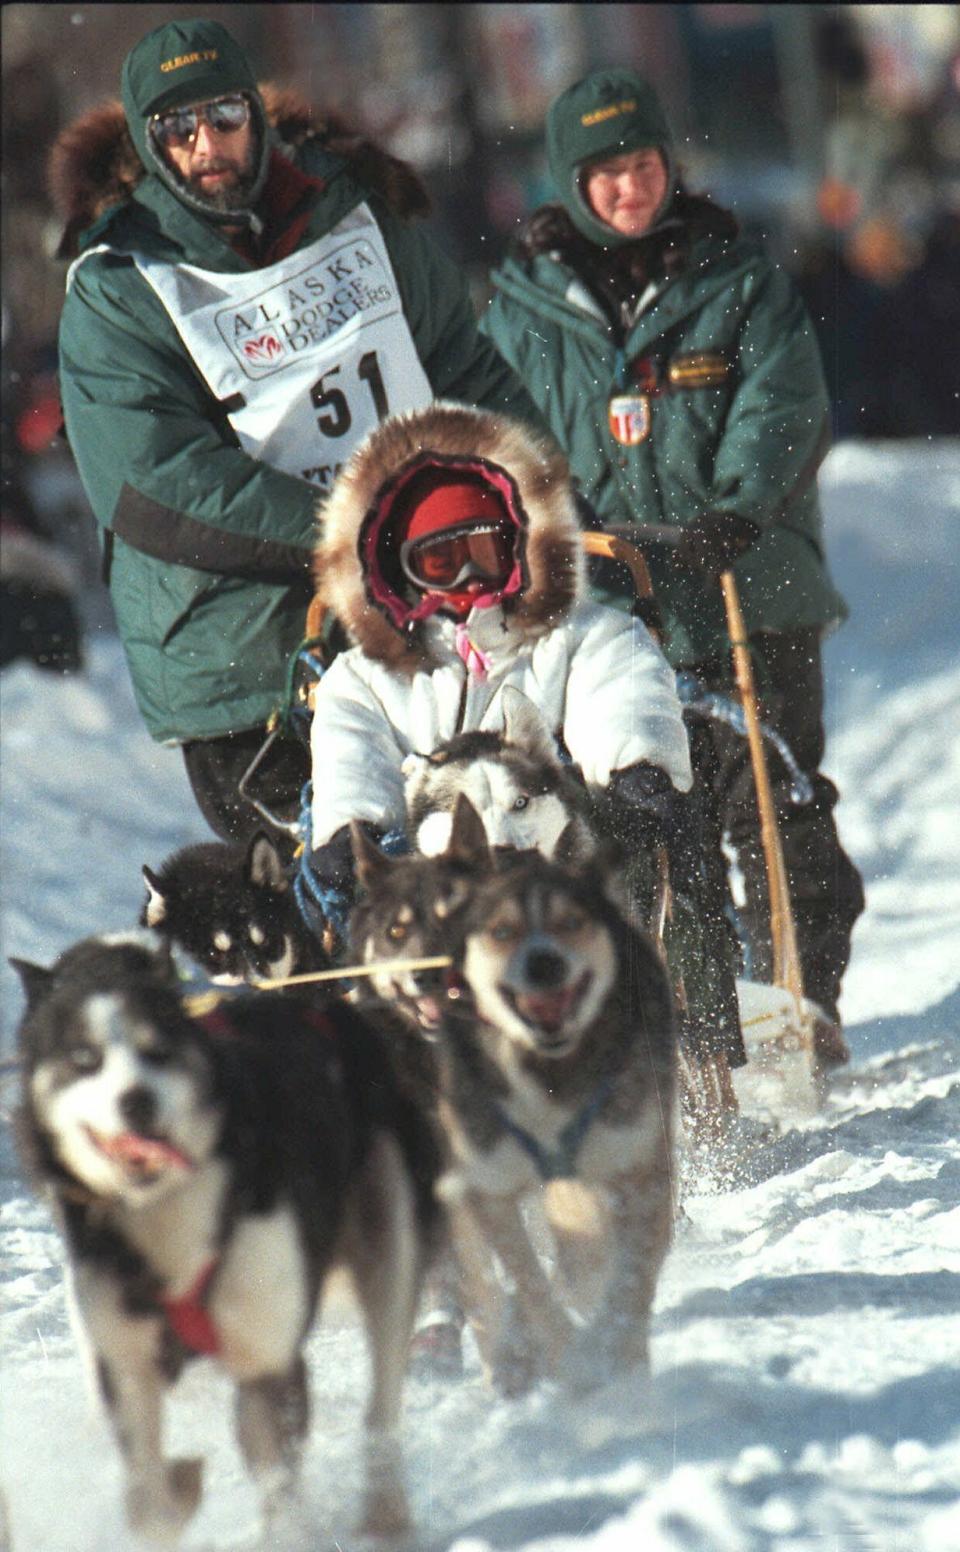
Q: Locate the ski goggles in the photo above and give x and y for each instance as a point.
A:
(179, 126)
(446, 560)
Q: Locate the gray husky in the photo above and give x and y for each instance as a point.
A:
(515, 780)
(408, 909)
(529, 799)
(555, 1078)
(208, 1170)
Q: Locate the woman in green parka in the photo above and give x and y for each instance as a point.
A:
(678, 370)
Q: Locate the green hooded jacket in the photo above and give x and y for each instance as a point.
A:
(208, 550)
(748, 442)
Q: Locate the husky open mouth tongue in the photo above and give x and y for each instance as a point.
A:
(550, 1010)
(424, 1006)
(428, 1011)
(142, 1155)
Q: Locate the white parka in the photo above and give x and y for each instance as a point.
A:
(595, 673)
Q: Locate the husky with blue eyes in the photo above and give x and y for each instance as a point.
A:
(523, 793)
(208, 1167)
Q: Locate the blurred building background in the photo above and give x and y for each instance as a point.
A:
(832, 131)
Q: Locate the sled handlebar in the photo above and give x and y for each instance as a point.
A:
(647, 533)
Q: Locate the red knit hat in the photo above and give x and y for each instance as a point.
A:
(453, 502)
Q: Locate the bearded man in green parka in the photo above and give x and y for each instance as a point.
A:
(678, 370)
(251, 296)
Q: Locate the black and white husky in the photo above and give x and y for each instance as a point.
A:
(208, 1170)
(515, 780)
(231, 908)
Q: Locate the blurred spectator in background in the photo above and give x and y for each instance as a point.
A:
(38, 615)
(39, 580)
(881, 276)
(681, 375)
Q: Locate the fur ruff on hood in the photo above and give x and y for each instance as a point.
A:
(93, 164)
(544, 506)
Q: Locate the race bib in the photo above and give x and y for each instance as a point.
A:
(307, 356)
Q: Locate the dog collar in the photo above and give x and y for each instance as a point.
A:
(189, 1318)
(559, 1163)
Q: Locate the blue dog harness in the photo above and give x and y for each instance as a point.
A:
(559, 1163)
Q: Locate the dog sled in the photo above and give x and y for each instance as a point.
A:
(780, 1076)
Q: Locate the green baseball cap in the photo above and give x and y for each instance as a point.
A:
(606, 114)
(179, 63)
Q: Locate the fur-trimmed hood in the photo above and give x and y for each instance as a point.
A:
(531, 476)
(93, 164)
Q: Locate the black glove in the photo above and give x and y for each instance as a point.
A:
(331, 881)
(662, 816)
(650, 797)
(332, 863)
(714, 541)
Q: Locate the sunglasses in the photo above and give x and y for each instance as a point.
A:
(179, 126)
(446, 560)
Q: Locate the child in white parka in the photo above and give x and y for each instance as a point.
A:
(451, 554)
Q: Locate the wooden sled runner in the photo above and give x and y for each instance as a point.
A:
(777, 1020)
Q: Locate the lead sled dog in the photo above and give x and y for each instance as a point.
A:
(555, 1079)
(208, 1171)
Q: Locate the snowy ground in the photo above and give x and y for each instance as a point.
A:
(806, 1389)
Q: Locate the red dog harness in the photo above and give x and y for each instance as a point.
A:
(189, 1317)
